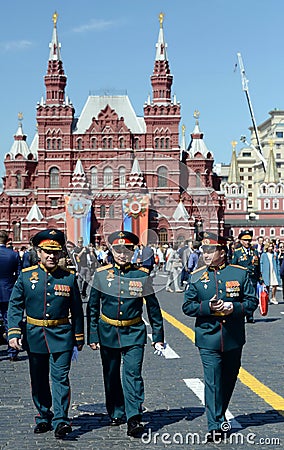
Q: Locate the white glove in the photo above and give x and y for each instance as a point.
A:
(160, 349)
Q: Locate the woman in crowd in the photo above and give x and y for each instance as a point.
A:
(270, 270)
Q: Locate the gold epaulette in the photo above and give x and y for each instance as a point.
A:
(196, 270)
(144, 269)
(26, 269)
(238, 249)
(99, 269)
(68, 270)
(239, 267)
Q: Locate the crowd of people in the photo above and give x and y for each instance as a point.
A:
(41, 292)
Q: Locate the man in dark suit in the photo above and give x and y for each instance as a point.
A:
(10, 264)
(219, 296)
(54, 325)
(115, 325)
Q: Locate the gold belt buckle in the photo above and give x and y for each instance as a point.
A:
(119, 323)
(45, 322)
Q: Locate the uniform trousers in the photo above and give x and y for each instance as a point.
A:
(58, 364)
(220, 375)
(126, 394)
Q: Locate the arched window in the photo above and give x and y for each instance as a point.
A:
(18, 181)
(104, 142)
(54, 177)
(163, 235)
(48, 144)
(111, 212)
(59, 144)
(162, 177)
(198, 179)
(110, 143)
(94, 143)
(108, 177)
(156, 143)
(94, 177)
(121, 142)
(102, 211)
(122, 178)
(136, 143)
(16, 231)
(53, 144)
(162, 143)
(79, 144)
(167, 142)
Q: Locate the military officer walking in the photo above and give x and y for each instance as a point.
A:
(248, 257)
(115, 326)
(54, 325)
(219, 296)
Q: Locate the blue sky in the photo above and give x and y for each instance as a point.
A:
(111, 45)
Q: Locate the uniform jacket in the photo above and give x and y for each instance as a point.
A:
(50, 296)
(10, 264)
(265, 268)
(118, 293)
(229, 283)
(250, 260)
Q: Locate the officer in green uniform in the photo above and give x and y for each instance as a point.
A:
(219, 296)
(248, 257)
(54, 325)
(115, 325)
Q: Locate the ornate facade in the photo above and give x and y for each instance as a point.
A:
(107, 154)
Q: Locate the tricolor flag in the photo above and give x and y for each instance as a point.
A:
(136, 215)
(78, 218)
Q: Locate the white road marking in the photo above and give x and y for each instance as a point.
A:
(169, 352)
(197, 386)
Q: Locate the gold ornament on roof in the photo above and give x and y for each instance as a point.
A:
(20, 116)
(196, 114)
(234, 143)
(54, 18)
(183, 128)
(161, 19)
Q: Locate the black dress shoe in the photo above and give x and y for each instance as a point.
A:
(250, 320)
(62, 429)
(14, 358)
(42, 427)
(116, 421)
(134, 427)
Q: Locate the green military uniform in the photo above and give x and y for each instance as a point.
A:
(249, 259)
(219, 338)
(49, 298)
(114, 317)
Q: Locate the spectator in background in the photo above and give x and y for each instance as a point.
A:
(174, 266)
(84, 273)
(185, 254)
(10, 264)
(270, 270)
(147, 257)
(194, 256)
(161, 256)
(259, 246)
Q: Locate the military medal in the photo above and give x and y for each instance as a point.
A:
(34, 279)
(135, 288)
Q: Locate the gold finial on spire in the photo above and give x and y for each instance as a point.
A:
(196, 114)
(54, 18)
(20, 116)
(183, 128)
(234, 143)
(161, 19)
(271, 143)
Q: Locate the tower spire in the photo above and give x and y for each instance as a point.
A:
(55, 79)
(161, 79)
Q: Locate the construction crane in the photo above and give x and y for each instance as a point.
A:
(245, 89)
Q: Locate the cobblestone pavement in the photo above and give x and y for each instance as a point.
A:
(172, 409)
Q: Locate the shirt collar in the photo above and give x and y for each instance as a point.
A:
(220, 267)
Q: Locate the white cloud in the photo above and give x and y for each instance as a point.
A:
(94, 24)
(15, 45)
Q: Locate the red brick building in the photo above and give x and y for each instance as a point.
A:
(106, 154)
